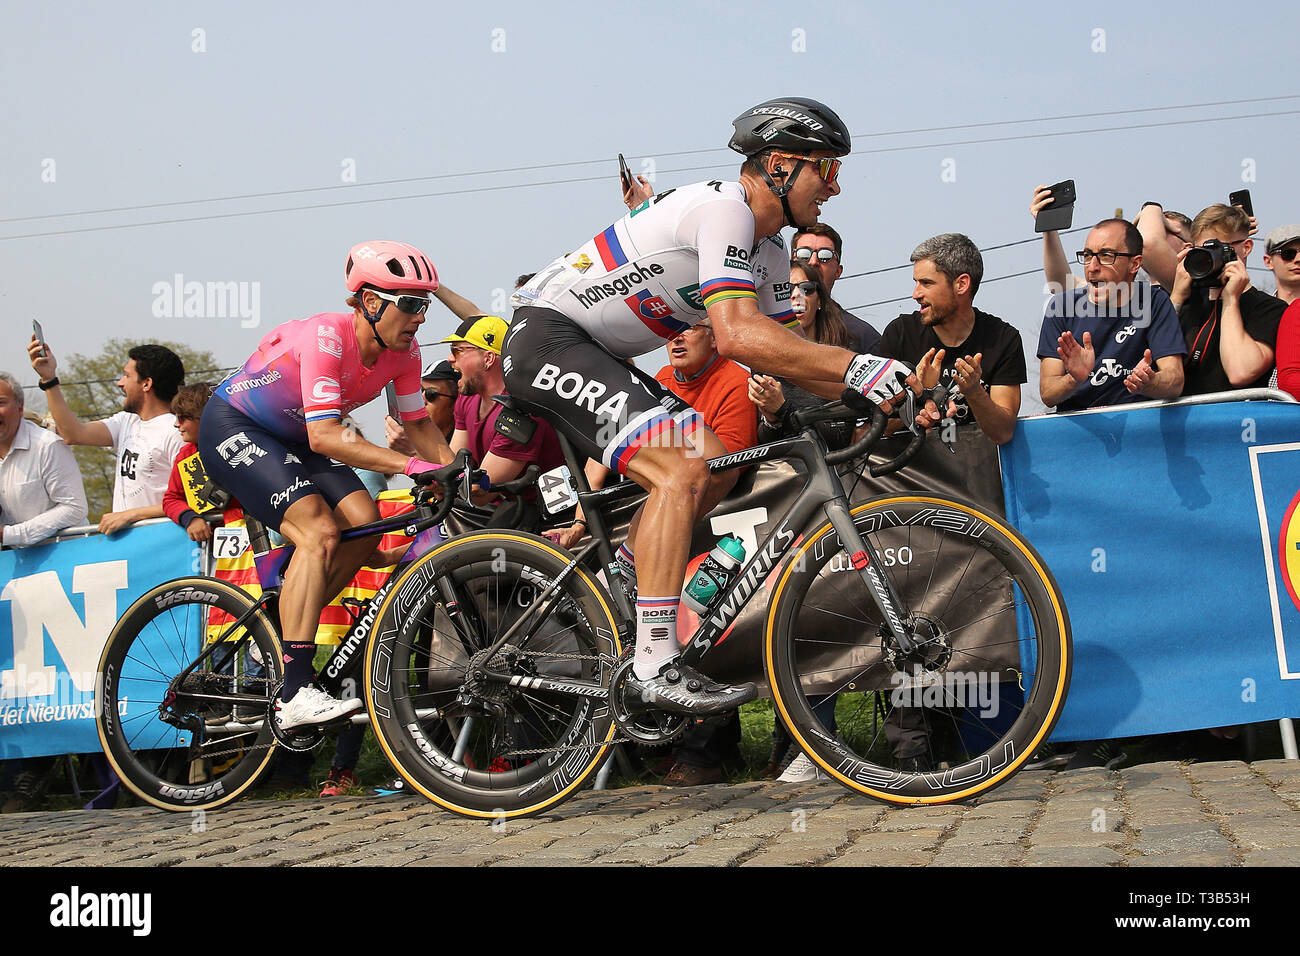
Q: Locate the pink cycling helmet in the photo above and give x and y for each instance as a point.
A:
(389, 265)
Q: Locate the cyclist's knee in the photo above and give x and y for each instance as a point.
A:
(687, 478)
(315, 533)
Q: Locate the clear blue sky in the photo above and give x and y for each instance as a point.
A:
(452, 101)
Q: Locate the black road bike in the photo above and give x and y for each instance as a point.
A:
(495, 676)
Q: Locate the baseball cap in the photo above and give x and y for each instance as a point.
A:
(1280, 237)
(440, 370)
(481, 331)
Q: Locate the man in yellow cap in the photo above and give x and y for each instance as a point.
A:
(476, 354)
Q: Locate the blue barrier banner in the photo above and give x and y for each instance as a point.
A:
(1175, 537)
(58, 603)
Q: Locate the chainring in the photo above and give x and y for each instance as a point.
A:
(652, 727)
(300, 739)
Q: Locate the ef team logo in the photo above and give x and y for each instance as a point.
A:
(1288, 550)
(238, 450)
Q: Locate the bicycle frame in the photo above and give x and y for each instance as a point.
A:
(270, 564)
(823, 492)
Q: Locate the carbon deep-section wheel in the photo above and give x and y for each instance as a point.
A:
(183, 732)
(963, 709)
(507, 733)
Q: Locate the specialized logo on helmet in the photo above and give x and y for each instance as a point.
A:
(788, 113)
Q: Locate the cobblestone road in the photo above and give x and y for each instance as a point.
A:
(1163, 814)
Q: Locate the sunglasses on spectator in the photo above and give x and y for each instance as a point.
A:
(431, 395)
(1287, 254)
(1106, 257)
(807, 288)
(410, 304)
(805, 254)
(827, 168)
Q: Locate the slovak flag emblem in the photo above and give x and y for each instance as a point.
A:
(655, 313)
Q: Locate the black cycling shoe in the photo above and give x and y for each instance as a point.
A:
(682, 689)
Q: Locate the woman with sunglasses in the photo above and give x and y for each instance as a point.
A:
(775, 397)
(273, 436)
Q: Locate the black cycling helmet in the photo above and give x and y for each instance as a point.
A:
(793, 123)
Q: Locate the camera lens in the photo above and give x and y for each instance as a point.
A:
(1199, 263)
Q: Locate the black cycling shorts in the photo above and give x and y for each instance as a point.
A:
(607, 407)
(265, 473)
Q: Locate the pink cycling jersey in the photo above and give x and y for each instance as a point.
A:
(310, 370)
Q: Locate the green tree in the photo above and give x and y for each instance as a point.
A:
(90, 386)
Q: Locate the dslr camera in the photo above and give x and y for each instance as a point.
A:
(1205, 263)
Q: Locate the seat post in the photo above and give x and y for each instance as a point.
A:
(258, 538)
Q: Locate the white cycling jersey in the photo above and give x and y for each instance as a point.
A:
(655, 272)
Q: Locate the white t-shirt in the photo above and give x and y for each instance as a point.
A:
(145, 452)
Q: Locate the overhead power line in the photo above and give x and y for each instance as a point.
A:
(1001, 245)
(603, 176)
(1077, 132)
(604, 159)
(983, 282)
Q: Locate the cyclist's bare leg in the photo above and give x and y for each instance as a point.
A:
(676, 477)
(320, 566)
(707, 445)
(308, 525)
(356, 509)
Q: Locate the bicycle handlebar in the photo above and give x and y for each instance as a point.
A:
(521, 484)
(449, 475)
(445, 477)
(854, 403)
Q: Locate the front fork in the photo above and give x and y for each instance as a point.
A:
(865, 561)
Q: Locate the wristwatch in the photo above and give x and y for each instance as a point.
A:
(46, 386)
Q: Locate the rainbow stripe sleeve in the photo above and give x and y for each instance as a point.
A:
(716, 290)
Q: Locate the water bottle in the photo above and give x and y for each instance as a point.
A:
(714, 574)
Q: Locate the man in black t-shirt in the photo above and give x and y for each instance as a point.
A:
(1230, 327)
(978, 357)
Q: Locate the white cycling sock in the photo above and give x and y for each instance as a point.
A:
(656, 634)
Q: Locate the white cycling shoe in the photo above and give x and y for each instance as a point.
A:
(312, 707)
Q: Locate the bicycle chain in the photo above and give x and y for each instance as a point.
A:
(242, 680)
(512, 753)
